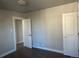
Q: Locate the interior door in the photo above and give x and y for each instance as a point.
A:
(27, 33)
(70, 34)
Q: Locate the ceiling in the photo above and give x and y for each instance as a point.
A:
(33, 5)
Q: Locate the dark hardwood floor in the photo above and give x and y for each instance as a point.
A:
(23, 52)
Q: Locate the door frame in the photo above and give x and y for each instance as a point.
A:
(14, 29)
(63, 28)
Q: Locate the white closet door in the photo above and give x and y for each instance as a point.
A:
(70, 34)
(27, 33)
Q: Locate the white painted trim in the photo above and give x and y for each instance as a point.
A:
(53, 50)
(14, 31)
(23, 29)
(9, 52)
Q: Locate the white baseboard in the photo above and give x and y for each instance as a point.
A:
(19, 42)
(53, 50)
(9, 52)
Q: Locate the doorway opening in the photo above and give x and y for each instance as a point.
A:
(19, 33)
(22, 32)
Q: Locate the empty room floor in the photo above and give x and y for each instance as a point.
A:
(23, 52)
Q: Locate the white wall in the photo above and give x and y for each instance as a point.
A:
(19, 31)
(7, 31)
(47, 26)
